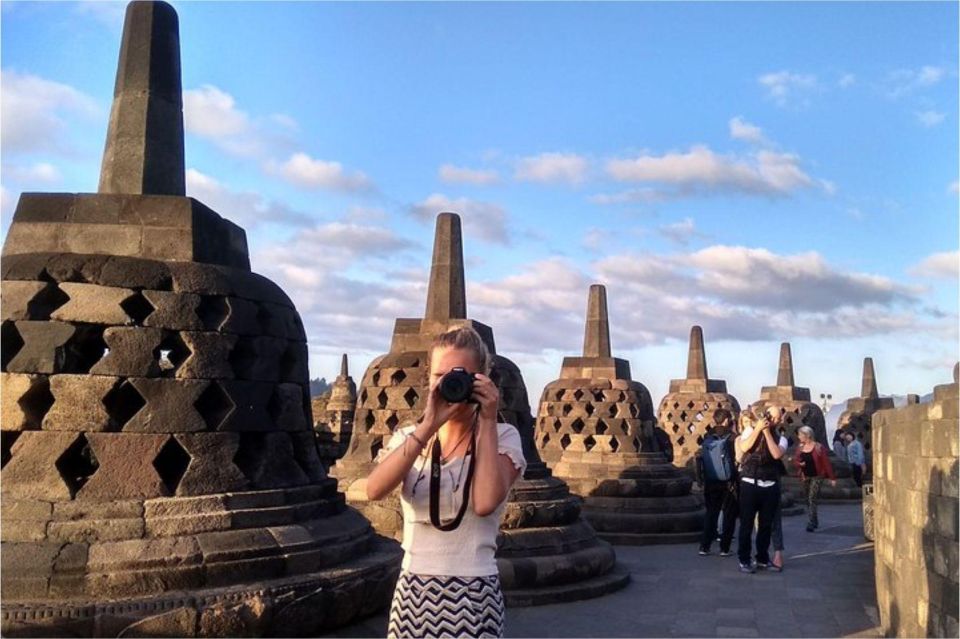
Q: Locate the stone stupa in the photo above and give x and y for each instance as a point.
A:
(859, 413)
(546, 551)
(595, 426)
(334, 424)
(160, 476)
(799, 411)
(687, 412)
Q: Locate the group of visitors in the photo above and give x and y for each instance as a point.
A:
(740, 466)
(847, 447)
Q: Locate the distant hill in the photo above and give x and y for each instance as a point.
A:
(318, 386)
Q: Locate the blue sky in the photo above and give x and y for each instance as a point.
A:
(771, 171)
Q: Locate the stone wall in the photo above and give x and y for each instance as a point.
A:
(915, 513)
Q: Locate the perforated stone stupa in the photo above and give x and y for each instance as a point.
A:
(799, 411)
(595, 426)
(159, 473)
(688, 412)
(334, 424)
(859, 413)
(546, 551)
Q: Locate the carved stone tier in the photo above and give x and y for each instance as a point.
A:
(160, 476)
(546, 552)
(687, 413)
(859, 413)
(595, 426)
(335, 424)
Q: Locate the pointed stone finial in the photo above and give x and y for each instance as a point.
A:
(446, 295)
(343, 366)
(785, 371)
(956, 372)
(596, 335)
(868, 389)
(144, 150)
(697, 356)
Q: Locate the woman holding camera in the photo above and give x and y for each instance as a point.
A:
(455, 466)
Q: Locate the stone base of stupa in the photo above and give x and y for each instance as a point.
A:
(546, 552)
(634, 498)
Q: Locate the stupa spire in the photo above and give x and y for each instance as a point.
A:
(446, 295)
(785, 371)
(868, 389)
(697, 356)
(596, 335)
(343, 366)
(144, 154)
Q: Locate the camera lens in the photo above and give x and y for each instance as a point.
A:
(456, 386)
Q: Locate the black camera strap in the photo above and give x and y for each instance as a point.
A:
(435, 469)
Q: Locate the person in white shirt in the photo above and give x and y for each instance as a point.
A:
(759, 485)
(455, 468)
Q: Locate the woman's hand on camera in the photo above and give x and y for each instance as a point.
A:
(486, 393)
(438, 410)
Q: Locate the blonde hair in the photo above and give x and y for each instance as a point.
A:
(465, 338)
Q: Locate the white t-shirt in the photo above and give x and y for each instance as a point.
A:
(467, 551)
(782, 443)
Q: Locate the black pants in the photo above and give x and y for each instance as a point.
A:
(719, 498)
(756, 501)
(857, 474)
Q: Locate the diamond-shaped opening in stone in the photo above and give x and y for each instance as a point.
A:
(669, 416)
(612, 410)
(86, 348)
(397, 378)
(566, 409)
(559, 395)
(369, 420)
(690, 404)
(46, 301)
(577, 425)
(589, 442)
(382, 399)
(681, 440)
(577, 394)
(589, 409)
(636, 443)
(601, 427)
(122, 403)
(392, 421)
(212, 311)
(698, 417)
(375, 380)
(676, 428)
(10, 343)
(137, 307)
(171, 464)
(691, 428)
(249, 453)
(557, 425)
(634, 411)
(36, 402)
(683, 416)
(77, 464)
(214, 405)
(699, 440)
(171, 353)
(614, 444)
(375, 447)
(411, 397)
(625, 428)
(676, 405)
(363, 396)
(545, 439)
(7, 440)
(565, 441)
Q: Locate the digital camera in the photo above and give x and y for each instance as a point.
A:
(457, 385)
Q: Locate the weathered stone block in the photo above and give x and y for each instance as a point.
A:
(258, 358)
(113, 556)
(133, 352)
(209, 356)
(179, 622)
(45, 348)
(17, 300)
(32, 471)
(93, 530)
(211, 468)
(288, 407)
(250, 401)
(170, 406)
(111, 239)
(78, 403)
(174, 311)
(25, 400)
(241, 317)
(268, 460)
(93, 304)
(127, 469)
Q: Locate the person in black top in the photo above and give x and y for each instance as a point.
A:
(720, 496)
(759, 451)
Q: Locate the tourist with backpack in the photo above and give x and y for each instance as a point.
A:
(716, 473)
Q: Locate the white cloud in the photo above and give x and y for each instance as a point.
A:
(954, 187)
(740, 129)
(38, 173)
(786, 88)
(594, 238)
(938, 265)
(35, 112)
(483, 220)
(110, 14)
(681, 233)
(307, 172)
(568, 168)
(644, 195)
(211, 113)
(460, 175)
(701, 171)
(903, 82)
(930, 118)
(847, 80)
(246, 208)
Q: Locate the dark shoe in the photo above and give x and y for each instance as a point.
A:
(703, 552)
(811, 527)
(726, 553)
(747, 568)
(776, 568)
(762, 565)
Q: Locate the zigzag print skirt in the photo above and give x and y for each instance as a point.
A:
(431, 606)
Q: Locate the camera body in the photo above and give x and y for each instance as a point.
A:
(457, 385)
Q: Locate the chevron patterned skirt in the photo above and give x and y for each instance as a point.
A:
(431, 606)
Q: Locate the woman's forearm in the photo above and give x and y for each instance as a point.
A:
(489, 485)
(772, 444)
(388, 474)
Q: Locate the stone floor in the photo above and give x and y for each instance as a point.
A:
(827, 590)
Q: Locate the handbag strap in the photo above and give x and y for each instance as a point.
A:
(435, 468)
